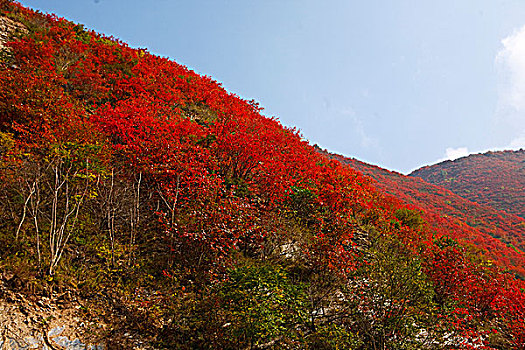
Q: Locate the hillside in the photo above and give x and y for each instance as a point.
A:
(500, 235)
(496, 179)
(169, 212)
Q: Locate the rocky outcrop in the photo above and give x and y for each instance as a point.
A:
(24, 325)
(8, 28)
(44, 324)
(15, 342)
(63, 320)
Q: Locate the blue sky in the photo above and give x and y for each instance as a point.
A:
(396, 83)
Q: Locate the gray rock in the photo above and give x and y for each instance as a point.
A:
(38, 343)
(56, 331)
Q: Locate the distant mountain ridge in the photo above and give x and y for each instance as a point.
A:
(496, 179)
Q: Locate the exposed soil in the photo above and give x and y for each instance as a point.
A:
(61, 321)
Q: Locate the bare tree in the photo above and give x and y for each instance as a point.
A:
(68, 194)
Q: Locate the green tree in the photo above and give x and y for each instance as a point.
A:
(390, 298)
(262, 305)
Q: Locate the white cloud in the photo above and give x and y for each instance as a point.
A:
(510, 62)
(452, 154)
(455, 153)
(510, 113)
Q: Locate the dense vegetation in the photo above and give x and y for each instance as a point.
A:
(499, 235)
(151, 191)
(493, 178)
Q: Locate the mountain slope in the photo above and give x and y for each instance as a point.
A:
(500, 235)
(496, 179)
(171, 208)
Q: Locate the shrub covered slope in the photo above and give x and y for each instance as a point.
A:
(496, 179)
(154, 193)
(499, 235)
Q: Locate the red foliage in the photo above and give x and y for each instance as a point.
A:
(220, 166)
(495, 179)
(493, 232)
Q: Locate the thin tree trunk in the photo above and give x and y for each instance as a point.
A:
(35, 204)
(24, 213)
(134, 221)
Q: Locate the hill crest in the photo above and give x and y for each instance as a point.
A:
(496, 179)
